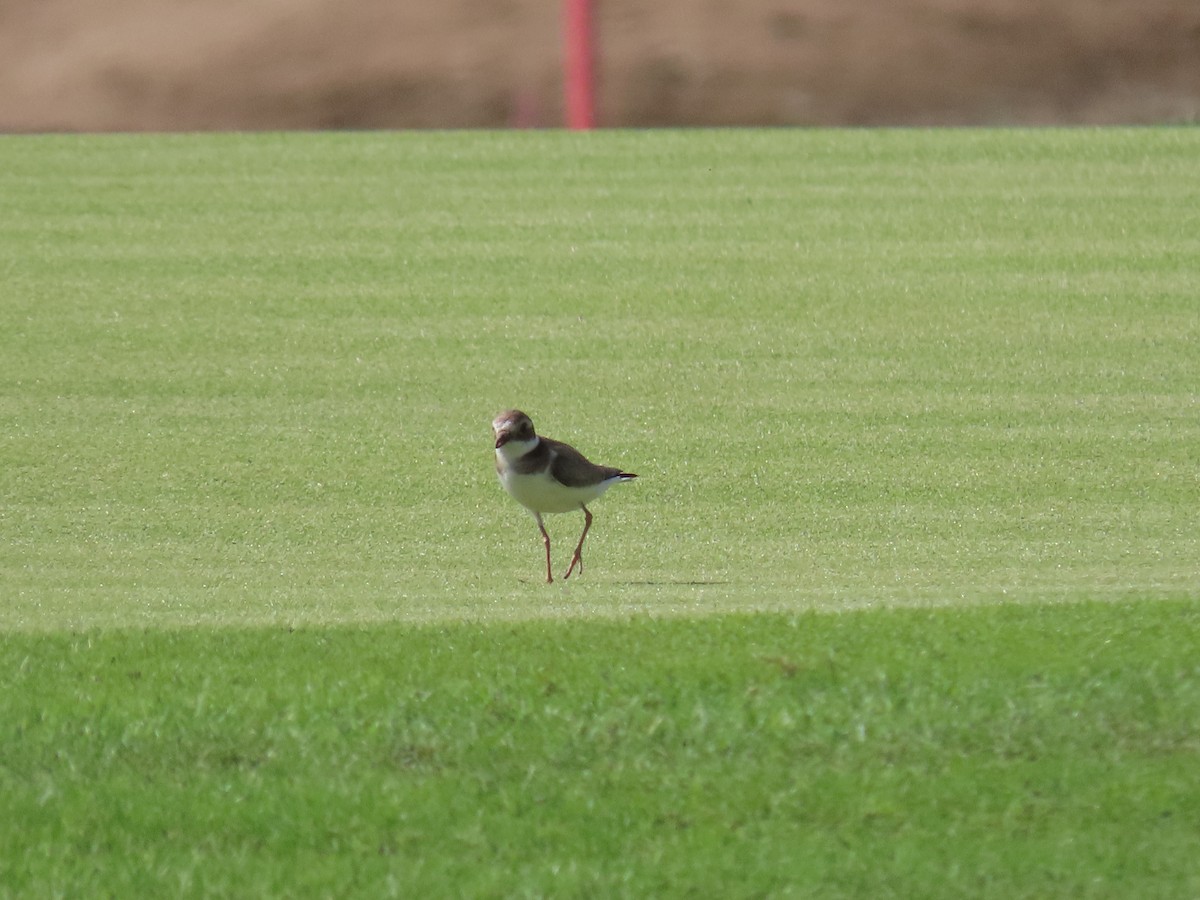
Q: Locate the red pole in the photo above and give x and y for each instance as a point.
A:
(579, 82)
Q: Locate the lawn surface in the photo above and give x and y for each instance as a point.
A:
(984, 752)
(906, 593)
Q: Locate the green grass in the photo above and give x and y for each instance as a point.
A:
(249, 378)
(271, 626)
(997, 751)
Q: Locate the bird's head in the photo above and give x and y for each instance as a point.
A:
(513, 425)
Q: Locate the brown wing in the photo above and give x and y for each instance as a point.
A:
(572, 468)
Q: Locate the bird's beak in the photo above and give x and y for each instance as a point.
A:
(502, 438)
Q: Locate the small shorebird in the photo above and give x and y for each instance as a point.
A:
(547, 476)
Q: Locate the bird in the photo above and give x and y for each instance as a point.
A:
(548, 476)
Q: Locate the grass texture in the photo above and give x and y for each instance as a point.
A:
(986, 752)
(249, 378)
(272, 628)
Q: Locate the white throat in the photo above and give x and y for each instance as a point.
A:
(514, 450)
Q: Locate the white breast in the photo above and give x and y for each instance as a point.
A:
(541, 493)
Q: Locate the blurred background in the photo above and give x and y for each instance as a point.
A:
(136, 65)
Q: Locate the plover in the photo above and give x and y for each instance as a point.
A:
(548, 476)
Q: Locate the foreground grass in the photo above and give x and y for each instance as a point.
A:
(248, 378)
(1020, 751)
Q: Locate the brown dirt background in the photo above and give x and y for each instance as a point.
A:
(137, 65)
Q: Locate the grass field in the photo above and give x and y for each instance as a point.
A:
(905, 601)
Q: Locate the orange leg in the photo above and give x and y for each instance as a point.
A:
(578, 558)
(546, 538)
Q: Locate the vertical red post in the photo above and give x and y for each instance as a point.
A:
(579, 77)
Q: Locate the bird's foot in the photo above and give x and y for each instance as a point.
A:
(577, 560)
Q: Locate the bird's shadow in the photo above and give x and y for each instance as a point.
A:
(647, 583)
(671, 582)
(660, 583)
